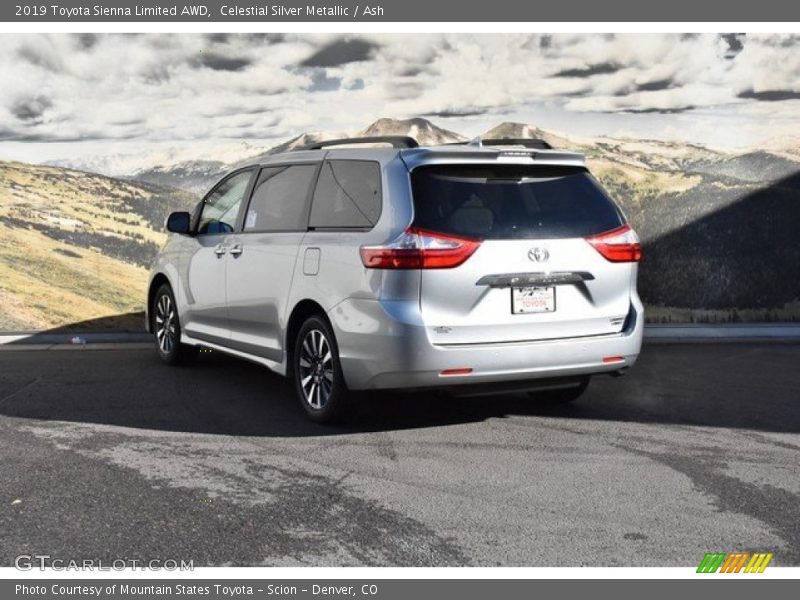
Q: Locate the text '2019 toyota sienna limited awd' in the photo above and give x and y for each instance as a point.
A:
(489, 266)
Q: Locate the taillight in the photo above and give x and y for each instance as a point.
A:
(420, 249)
(618, 245)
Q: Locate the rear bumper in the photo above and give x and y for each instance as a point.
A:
(385, 345)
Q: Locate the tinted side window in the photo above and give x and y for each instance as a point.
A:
(279, 199)
(348, 194)
(510, 202)
(222, 206)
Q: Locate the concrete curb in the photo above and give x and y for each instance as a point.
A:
(723, 332)
(76, 338)
(727, 332)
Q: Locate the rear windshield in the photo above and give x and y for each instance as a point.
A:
(511, 202)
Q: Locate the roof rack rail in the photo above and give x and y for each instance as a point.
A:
(397, 141)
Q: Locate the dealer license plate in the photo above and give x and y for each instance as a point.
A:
(533, 300)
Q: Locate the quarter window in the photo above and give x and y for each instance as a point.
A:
(348, 194)
(280, 198)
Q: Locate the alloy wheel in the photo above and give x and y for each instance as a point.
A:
(165, 324)
(316, 369)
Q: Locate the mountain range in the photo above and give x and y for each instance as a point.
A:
(719, 229)
(635, 157)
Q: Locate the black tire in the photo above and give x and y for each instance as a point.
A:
(563, 395)
(166, 329)
(317, 372)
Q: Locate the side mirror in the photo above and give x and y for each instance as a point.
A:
(179, 222)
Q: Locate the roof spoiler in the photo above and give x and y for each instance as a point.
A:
(396, 141)
(455, 153)
(533, 143)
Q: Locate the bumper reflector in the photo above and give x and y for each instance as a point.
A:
(450, 372)
(613, 359)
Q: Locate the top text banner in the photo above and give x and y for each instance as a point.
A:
(474, 11)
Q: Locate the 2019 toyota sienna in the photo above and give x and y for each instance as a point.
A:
(374, 263)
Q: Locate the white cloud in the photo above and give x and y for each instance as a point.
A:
(186, 87)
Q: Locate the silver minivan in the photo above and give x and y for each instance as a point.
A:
(374, 263)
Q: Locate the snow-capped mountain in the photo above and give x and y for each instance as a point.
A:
(695, 209)
(195, 168)
(422, 130)
(198, 175)
(301, 140)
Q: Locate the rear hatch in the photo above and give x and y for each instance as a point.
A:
(537, 269)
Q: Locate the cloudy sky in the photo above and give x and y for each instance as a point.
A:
(82, 94)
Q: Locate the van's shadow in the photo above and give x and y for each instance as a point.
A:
(697, 384)
(721, 257)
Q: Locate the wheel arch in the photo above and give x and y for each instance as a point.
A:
(301, 311)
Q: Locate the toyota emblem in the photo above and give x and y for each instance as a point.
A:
(538, 254)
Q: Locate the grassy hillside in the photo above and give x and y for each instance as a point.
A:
(76, 246)
(717, 247)
(719, 230)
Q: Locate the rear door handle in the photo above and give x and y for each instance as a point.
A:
(219, 250)
(236, 249)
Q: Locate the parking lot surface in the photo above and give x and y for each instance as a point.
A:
(107, 454)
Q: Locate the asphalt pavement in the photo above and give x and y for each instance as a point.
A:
(108, 454)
